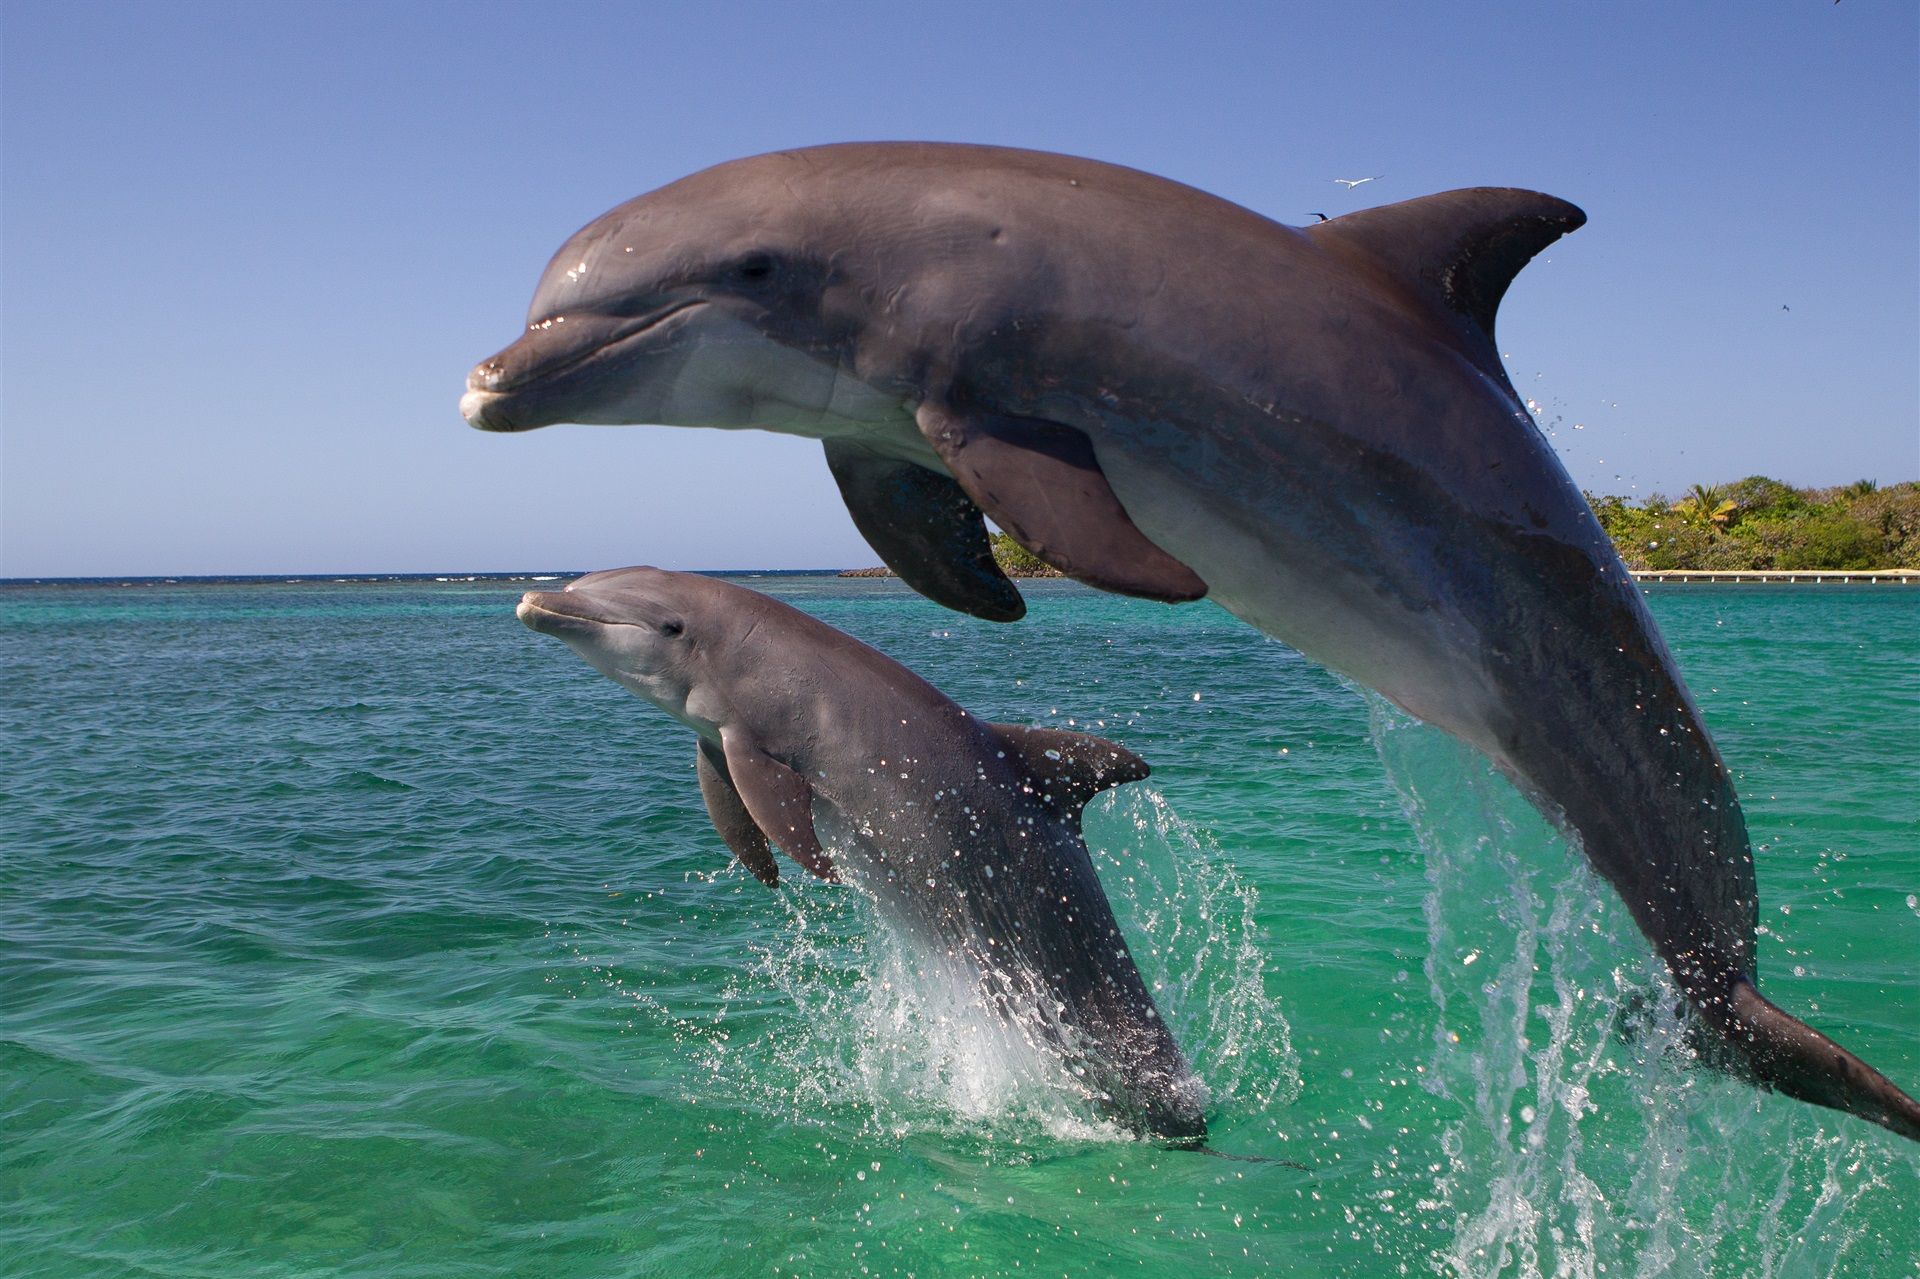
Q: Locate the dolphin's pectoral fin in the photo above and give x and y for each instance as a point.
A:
(779, 801)
(1070, 768)
(731, 818)
(1040, 482)
(926, 529)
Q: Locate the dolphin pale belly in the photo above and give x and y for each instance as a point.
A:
(1170, 396)
(966, 833)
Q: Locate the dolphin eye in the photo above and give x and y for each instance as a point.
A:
(671, 629)
(754, 268)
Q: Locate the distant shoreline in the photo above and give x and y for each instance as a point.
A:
(1756, 531)
(1723, 577)
(1652, 577)
(1011, 570)
(341, 579)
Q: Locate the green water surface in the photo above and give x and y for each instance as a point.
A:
(355, 930)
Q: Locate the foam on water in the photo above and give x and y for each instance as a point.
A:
(870, 1028)
(1584, 1138)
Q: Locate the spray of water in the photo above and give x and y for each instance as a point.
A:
(840, 1016)
(1190, 916)
(1580, 1135)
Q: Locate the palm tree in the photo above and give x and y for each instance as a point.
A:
(1707, 504)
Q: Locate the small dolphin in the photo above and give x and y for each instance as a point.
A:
(965, 832)
(1168, 395)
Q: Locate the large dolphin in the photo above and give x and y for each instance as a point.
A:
(1168, 395)
(966, 833)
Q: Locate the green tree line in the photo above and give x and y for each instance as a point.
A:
(1016, 560)
(1755, 523)
(1761, 523)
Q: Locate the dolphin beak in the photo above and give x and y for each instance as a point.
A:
(483, 411)
(550, 374)
(552, 613)
(497, 381)
(490, 383)
(505, 376)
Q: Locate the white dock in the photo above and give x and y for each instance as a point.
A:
(1807, 576)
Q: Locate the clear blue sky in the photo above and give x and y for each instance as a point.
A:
(250, 250)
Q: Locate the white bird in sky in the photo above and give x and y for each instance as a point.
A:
(1351, 183)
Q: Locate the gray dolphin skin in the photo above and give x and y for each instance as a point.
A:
(966, 833)
(1171, 396)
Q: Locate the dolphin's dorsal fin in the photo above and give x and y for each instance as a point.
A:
(1070, 768)
(1461, 248)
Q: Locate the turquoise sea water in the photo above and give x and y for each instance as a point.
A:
(356, 930)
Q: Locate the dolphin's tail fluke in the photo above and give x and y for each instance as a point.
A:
(1785, 1054)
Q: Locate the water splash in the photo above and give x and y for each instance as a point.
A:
(1190, 917)
(1580, 1136)
(841, 1017)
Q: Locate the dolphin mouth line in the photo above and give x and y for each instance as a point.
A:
(644, 324)
(528, 606)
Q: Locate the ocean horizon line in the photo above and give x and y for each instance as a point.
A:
(1648, 577)
(476, 575)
